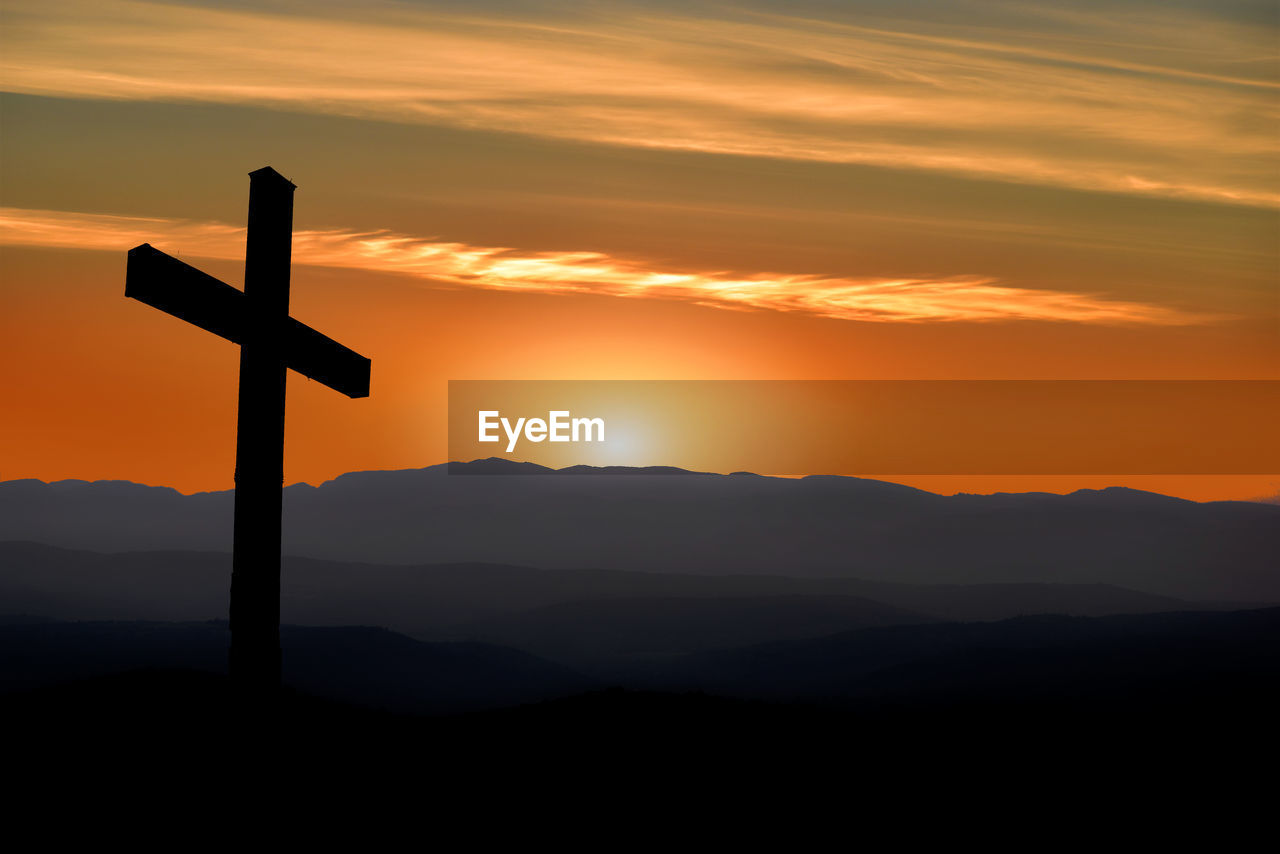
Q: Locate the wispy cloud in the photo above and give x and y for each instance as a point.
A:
(1193, 119)
(905, 299)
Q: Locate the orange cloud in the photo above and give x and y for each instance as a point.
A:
(905, 299)
(1001, 104)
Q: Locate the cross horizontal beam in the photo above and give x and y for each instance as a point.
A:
(164, 282)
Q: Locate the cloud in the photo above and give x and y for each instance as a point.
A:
(1193, 119)
(904, 299)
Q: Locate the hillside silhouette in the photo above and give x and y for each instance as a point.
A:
(620, 622)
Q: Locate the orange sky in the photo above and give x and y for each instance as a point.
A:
(665, 191)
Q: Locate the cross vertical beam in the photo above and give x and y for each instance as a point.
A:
(259, 474)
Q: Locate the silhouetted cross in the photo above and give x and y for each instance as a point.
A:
(257, 319)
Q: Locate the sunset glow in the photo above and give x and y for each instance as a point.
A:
(643, 190)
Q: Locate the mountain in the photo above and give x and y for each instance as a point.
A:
(574, 616)
(366, 666)
(692, 523)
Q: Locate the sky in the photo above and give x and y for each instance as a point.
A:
(529, 190)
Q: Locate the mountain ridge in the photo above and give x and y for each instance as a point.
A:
(499, 466)
(699, 523)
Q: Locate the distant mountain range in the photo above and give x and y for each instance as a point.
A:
(664, 520)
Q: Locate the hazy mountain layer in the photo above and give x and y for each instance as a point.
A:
(698, 523)
(575, 616)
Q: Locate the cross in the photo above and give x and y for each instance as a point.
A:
(271, 341)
